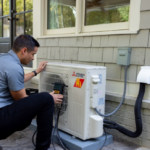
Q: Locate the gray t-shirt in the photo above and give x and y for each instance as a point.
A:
(11, 77)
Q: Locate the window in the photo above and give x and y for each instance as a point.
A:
(4, 14)
(61, 14)
(85, 16)
(24, 17)
(105, 12)
(100, 15)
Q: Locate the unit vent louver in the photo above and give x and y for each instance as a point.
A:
(47, 86)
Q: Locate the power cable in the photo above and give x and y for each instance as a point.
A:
(57, 132)
(54, 130)
(104, 140)
(33, 138)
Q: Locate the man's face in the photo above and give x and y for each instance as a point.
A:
(29, 56)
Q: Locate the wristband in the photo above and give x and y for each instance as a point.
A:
(34, 72)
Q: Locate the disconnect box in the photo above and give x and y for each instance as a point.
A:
(124, 55)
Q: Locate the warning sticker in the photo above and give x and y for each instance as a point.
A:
(101, 101)
(100, 78)
(78, 83)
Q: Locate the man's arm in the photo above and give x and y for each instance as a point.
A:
(16, 95)
(30, 75)
(41, 66)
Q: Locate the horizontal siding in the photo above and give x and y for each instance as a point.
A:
(99, 49)
(145, 5)
(145, 20)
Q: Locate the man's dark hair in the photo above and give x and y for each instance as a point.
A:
(25, 40)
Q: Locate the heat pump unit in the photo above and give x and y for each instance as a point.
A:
(85, 91)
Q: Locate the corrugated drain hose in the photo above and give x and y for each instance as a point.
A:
(138, 119)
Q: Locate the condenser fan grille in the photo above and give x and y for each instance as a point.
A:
(46, 85)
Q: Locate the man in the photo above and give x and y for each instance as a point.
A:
(16, 108)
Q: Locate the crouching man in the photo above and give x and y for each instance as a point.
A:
(16, 108)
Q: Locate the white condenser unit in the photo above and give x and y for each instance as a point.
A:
(85, 91)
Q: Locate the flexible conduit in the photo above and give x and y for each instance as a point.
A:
(123, 97)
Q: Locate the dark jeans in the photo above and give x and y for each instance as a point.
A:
(18, 116)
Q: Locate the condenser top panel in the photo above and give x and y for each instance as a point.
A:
(69, 65)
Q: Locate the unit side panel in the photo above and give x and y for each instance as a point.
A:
(98, 90)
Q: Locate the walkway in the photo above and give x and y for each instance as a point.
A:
(22, 141)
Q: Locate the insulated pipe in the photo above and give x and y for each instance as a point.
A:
(138, 119)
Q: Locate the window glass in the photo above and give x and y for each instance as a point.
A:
(28, 5)
(0, 7)
(29, 23)
(61, 14)
(19, 6)
(19, 24)
(6, 27)
(5, 7)
(1, 28)
(104, 12)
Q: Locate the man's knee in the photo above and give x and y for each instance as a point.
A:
(47, 98)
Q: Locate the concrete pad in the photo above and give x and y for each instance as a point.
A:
(77, 144)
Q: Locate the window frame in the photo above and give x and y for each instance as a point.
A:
(130, 27)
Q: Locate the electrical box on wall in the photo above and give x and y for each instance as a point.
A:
(124, 55)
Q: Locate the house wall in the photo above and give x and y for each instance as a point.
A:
(102, 51)
(33, 83)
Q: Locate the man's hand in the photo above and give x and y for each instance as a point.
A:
(57, 98)
(41, 66)
(28, 76)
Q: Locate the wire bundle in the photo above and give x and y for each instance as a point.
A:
(57, 133)
(55, 129)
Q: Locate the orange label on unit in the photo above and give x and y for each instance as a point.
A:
(78, 83)
(56, 92)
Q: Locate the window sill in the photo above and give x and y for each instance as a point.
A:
(122, 32)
